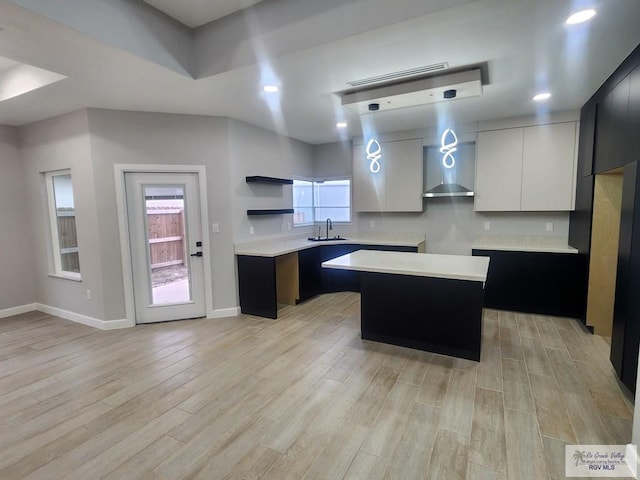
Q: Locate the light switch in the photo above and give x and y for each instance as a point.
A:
(215, 227)
(251, 231)
(372, 224)
(487, 225)
(549, 226)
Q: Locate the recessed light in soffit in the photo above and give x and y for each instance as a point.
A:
(421, 90)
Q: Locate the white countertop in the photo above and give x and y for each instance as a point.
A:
(523, 243)
(457, 267)
(281, 246)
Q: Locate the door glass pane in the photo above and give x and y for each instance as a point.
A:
(168, 262)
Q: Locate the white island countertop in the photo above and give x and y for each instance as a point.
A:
(456, 267)
(281, 246)
(523, 243)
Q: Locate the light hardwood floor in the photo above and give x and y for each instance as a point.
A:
(301, 397)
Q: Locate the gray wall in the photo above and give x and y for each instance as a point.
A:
(332, 160)
(56, 144)
(17, 271)
(119, 137)
(255, 151)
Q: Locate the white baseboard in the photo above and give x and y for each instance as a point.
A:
(84, 319)
(95, 322)
(10, 312)
(224, 312)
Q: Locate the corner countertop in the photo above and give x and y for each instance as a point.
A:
(523, 243)
(456, 267)
(281, 246)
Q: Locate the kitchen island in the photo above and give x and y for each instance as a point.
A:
(417, 300)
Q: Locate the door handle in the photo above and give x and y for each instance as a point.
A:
(197, 254)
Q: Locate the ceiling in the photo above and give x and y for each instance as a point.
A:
(194, 13)
(127, 55)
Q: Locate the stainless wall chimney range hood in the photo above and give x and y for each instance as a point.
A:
(448, 190)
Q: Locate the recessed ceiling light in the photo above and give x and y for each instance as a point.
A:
(581, 16)
(270, 88)
(341, 125)
(541, 97)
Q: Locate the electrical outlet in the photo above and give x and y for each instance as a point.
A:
(288, 225)
(251, 230)
(372, 224)
(215, 227)
(549, 227)
(487, 225)
(88, 294)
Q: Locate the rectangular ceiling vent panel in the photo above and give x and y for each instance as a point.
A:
(421, 90)
(399, 75)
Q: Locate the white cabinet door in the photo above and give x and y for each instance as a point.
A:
(548, 167)
(499, 170)
(368, 187)
(397, 186)
(403, 176)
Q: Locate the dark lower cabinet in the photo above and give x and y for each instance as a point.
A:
(534, 282)
(257, 286)
(257, 276)
(434, 314)
(309, 273)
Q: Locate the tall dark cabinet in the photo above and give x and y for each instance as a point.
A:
(609, 139)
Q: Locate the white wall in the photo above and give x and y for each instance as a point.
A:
(255, 151)
(17, 271)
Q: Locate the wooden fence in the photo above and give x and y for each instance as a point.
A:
(68, 240)
(166, 237)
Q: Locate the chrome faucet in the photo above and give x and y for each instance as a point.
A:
(329, 227)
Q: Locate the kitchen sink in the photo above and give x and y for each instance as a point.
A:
(325, 239)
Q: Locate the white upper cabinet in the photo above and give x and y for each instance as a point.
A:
(526, 169)
(368, 187)
(548, 167)
(397, 186)
(499, 170)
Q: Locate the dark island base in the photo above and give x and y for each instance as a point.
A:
(432, 314)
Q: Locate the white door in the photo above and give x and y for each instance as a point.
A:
(165, 230)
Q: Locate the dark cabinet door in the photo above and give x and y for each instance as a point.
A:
(309, 273)
(257, 286)
(587, 140)
(625, 336)
(634, 115)
(612, 129)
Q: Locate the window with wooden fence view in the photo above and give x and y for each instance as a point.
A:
(62, 219)
(167, 245)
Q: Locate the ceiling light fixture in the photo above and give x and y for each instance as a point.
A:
(270, 88)
(341, 125)
(581, 16)
(541, 97)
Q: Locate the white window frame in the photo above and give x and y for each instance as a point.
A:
(56, 264)
(320, 180)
